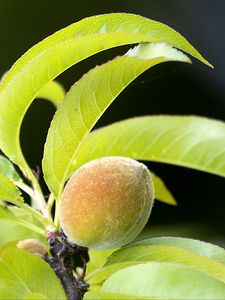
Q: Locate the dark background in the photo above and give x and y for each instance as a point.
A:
(170, 88)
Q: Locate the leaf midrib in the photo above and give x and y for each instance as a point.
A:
(5, 82)
(16, 276)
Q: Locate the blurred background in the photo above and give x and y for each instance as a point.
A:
(169, 88)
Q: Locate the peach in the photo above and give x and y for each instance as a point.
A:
(106, 203)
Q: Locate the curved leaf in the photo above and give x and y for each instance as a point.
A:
(86, 102)
(52, 91)
(169, 254)
(195, 254)
(164, 280)
(43, 62)
(7, 168)
(114, 24)
(193, 142)
(22, 274)
(198, 247)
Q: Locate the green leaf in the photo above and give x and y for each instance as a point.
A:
(7, 168)
(169, 254)
(49, 58)
(11, 244)
(111, 296)
(97, 259)
(105, 272)
(8, 191)
(198, 247)
(36, 296)
(52, 91)
(17, 231)
(86, 102)
(132, 254)
(161, 191)
(193, 142)
(200, 255)
(22, 274)
(164, 280)
(7, 214)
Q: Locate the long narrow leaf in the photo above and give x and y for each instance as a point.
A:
(164, 281)
(42, 63)
(172, 254)
(86, 102)
(193, 142)
(198, 247)
(202, 256)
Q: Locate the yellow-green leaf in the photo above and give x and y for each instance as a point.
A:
(198, 247)
(22, 274)
(97, 259)
(86, 102)
(8, 190)
(112, 296)
(99, 276)
(49, 58)
(161, 191)
(10, 193)
(193, 142)
(7, 214)
(36, 296)
(164, 281)
(7, 168)
(169, 254)
(17, 230)
(52, 91)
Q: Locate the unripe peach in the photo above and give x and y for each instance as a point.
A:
(33, 246)
(106, 202)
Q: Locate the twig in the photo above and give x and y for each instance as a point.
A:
(65, 259)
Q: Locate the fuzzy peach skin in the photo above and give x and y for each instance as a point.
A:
(106, 203)
(33, 246)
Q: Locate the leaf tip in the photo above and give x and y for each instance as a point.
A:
(206, 62)
(156, 50)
